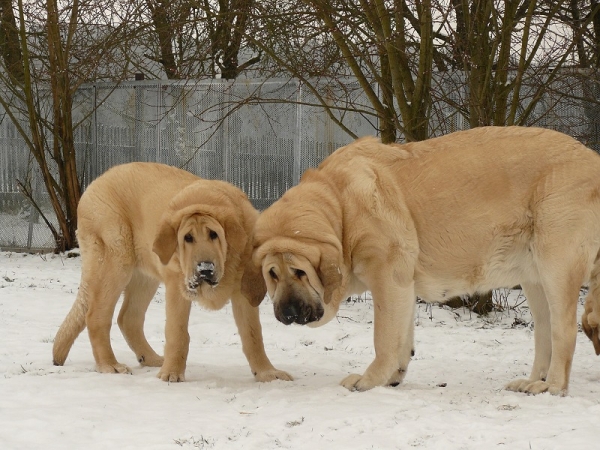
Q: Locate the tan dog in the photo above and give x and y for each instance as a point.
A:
(140, 224)
(463, 213)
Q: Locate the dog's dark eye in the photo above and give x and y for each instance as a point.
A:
(188, 238)
(212, 235)
(299, 273)
(273, 274)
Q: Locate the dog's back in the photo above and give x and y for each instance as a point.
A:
(127, 200)
(483, 202)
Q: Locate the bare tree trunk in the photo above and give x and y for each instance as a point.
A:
(579, 45)
(403, 83)
(159, 11)
(596, 28)
(229, 32)
(65, 192)
(62, 103)
(224, 26)
(64, 58)
(10, 50)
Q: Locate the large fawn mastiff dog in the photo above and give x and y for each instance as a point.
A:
(141, 224)
(463, 213)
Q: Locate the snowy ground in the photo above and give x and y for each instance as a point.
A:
(452, 397)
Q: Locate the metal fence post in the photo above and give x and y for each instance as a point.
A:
(93, 161)
(160, 108)
(33, 214)
(227, 96)
(297, 166)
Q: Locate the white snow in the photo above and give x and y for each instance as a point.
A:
(452, 397)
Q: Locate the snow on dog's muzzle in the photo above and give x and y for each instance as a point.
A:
(204, 273)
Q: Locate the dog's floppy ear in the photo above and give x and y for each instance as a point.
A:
(591, 330)
(330, 271)
(253, 283)
(165, 242)
(236, 235)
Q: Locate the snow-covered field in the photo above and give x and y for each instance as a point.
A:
(452, 397)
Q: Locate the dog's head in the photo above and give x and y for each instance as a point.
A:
(206, 234)
(302, 263)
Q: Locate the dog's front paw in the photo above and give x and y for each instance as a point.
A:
(171, 376)
(517, 385)
(271, 375)
(113, 368)
(350, 381)
(535, 387)
(361, 383)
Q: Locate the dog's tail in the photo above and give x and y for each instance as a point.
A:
(590, 321)
(71, 327)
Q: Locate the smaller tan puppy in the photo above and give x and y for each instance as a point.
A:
(467, 212)
(141, 224)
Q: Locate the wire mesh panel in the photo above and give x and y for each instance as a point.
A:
(253, 134)
(448, 104)
(84, 130)
(261, 136)
(572, 106)
(320, 134)
(190, 134)
(126, 126)
(20, 223)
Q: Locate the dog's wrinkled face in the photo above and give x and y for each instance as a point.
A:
(296, 290)
(196, 242)
(202, 249)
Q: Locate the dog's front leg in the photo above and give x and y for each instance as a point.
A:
(248, 323)
(394, 307)
(177, 338)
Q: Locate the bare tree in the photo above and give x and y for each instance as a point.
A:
(509, 53)
(581, 86)
(40, 89)
(387, 47)
(203, 38)
(583, 18)
(10, 50)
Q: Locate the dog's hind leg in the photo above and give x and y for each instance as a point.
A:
(104, 284)
(75, 321)
(561, 283)
(138, 295)
(590, 321)
(538, 304)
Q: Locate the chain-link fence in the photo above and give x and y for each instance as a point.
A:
(258, 135)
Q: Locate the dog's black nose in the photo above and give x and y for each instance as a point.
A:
(206, 271)
(289, 313)
(294, 311)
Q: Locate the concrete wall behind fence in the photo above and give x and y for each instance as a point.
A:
(217, 130)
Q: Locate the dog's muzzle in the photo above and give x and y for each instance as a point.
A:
(298, 312)
(205, 273)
